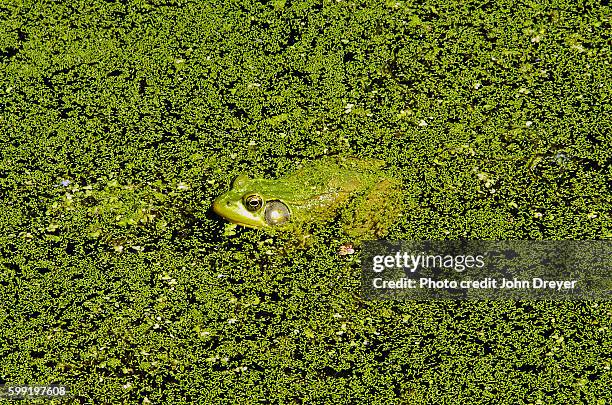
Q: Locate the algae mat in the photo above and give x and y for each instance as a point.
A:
(121, 122)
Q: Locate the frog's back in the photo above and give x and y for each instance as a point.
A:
(322, 186)
(372, 198)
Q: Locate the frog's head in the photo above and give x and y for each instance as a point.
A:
(247, 204)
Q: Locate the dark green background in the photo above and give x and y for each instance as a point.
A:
(495, 116)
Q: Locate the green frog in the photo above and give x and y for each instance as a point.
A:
(365, 200)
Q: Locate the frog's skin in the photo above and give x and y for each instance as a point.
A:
(366, 200)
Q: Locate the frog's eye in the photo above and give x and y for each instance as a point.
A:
(276, 213)
(253, 202)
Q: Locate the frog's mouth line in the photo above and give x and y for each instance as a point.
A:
(240, 223)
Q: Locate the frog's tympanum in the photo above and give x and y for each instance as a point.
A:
(355, 191)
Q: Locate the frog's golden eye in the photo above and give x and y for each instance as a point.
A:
(253, 202)
(276, 213)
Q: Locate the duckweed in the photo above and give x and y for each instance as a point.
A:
(120, 122)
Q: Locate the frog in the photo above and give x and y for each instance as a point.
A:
(355, 191)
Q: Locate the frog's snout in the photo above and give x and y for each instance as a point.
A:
(227, 209)
(219, 206)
